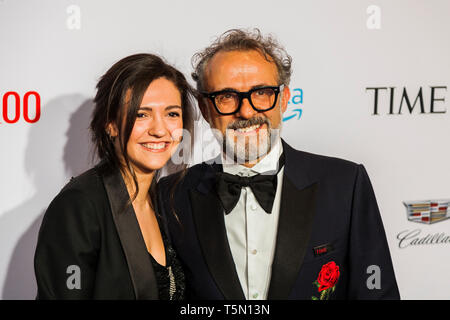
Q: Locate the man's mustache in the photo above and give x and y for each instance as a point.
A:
(239, 124)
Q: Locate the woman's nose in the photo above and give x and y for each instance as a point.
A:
(157, 127)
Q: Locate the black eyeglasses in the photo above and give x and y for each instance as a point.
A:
(229, 102)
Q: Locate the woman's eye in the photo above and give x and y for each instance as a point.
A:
(140, 115)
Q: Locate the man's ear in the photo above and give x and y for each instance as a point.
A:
(285, 96)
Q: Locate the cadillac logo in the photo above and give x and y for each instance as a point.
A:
(428, 211)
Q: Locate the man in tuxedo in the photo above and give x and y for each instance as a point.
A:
(263, 220)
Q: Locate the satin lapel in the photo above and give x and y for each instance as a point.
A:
(297, 209)
(210, 224)
(133, 244)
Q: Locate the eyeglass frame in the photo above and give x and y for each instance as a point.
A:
(243, 95)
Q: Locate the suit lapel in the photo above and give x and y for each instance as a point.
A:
(133, 244)
(297, 211)
(209, 220)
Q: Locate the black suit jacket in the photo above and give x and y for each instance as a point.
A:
(324, 201)
(90, 224)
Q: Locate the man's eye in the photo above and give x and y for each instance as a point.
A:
(141, 115)
(226, 96)
(264, 92)
(174, 114)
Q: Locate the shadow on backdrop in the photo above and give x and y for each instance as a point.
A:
(58, 147)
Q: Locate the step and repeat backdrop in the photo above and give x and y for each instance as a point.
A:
(370, 84)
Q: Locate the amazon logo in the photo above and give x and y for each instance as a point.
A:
(294, 110)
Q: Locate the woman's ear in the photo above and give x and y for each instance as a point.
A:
(111, 130)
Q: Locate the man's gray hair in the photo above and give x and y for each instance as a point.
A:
(244, 40)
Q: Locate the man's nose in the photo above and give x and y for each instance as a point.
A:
(246, 111)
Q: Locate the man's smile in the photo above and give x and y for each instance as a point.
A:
(254, 129)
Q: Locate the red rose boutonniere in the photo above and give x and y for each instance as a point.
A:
(327, 279)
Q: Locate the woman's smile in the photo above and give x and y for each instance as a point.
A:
(156, 146)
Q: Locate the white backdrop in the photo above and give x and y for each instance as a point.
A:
(60, 49)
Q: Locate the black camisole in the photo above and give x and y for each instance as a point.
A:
(170, 278)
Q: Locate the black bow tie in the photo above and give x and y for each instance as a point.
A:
(263, 186)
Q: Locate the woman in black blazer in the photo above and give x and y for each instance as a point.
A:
(102, 236)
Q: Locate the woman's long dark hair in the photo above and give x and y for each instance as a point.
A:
(130, 78)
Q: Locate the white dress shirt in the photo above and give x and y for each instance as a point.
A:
(251, 231)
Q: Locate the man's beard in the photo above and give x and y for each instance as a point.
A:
(244, 149)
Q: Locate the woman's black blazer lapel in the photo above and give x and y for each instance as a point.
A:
(133, 244)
